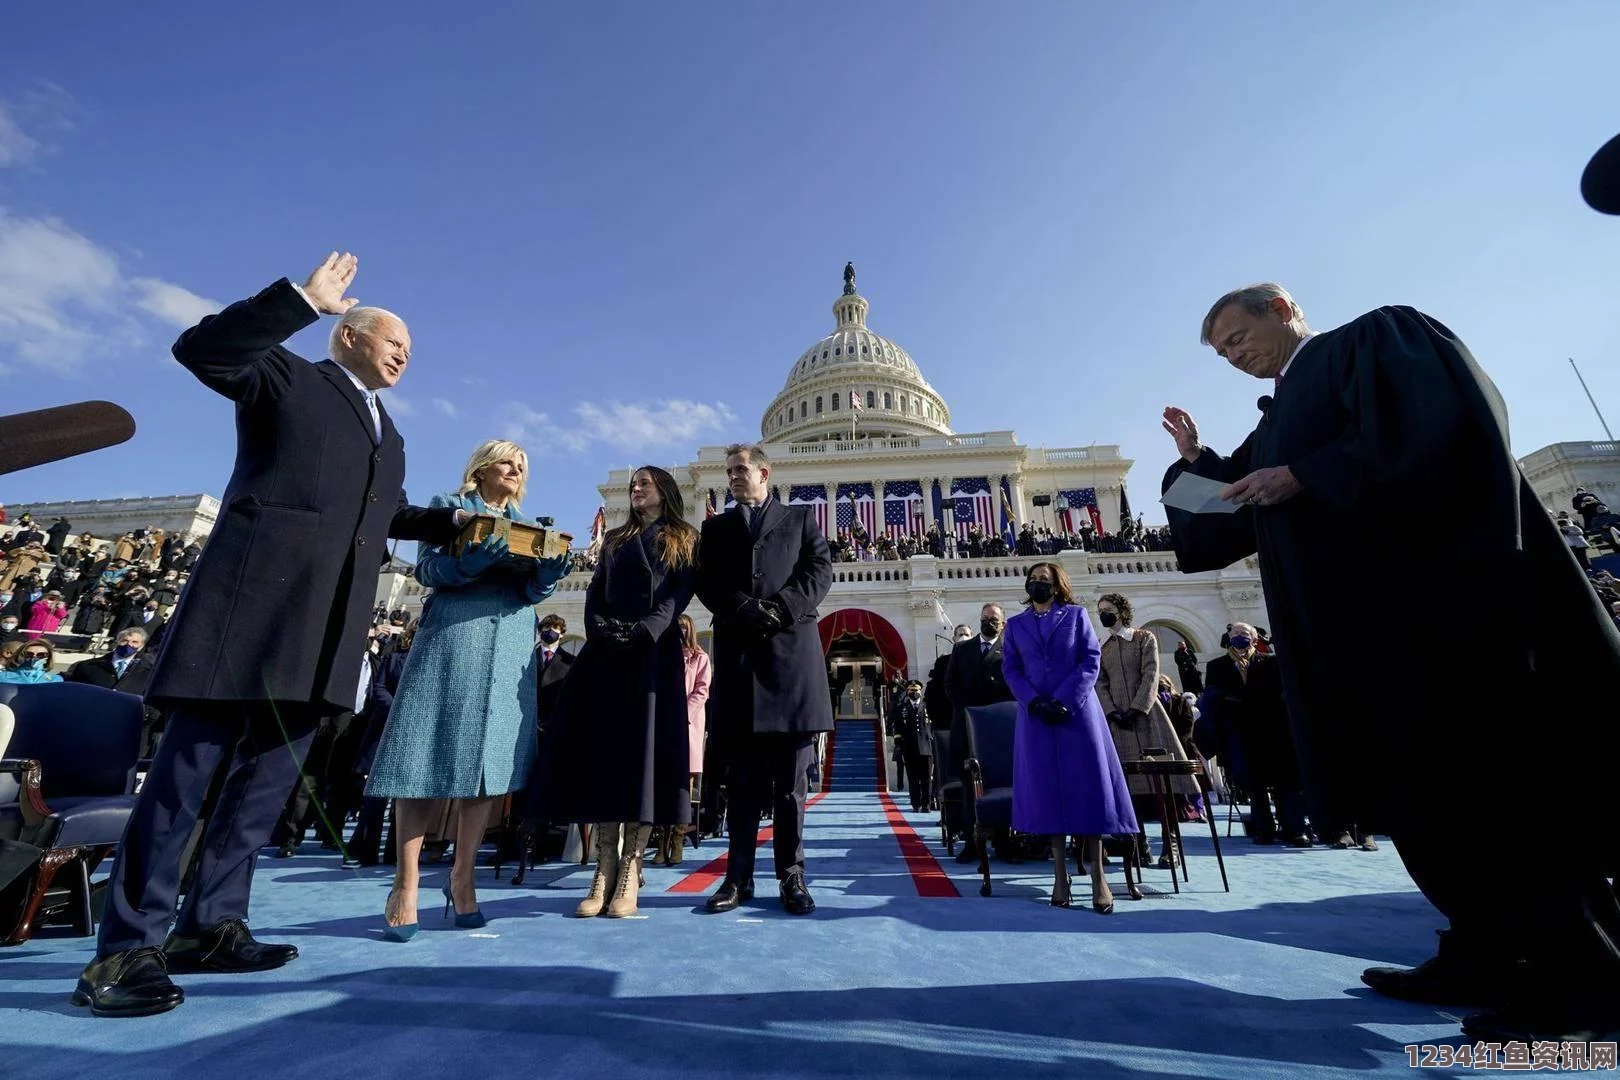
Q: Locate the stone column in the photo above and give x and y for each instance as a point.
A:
(927, 483)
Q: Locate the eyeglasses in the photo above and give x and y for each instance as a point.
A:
(36, 656)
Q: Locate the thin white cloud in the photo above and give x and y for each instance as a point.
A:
(174, 305)
(29, 124)
(395, 404)
(447, 407)
(622, 425)
(65, 300)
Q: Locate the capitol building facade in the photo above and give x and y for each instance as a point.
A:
(859, 435)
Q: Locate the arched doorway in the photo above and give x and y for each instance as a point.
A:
(864, 651)
(1171, 634)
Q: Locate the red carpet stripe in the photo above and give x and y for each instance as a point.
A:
(712, 873)
(926, 873)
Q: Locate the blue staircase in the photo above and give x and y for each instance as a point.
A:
(855, 765)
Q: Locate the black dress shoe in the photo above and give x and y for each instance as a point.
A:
(134, 982)
(729, 896)
(968, 854)
(1439, 982)
(227, 947)
(287, 850)
(795, 897)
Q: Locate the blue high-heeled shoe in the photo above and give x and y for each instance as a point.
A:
(402, 932)
(473, 921)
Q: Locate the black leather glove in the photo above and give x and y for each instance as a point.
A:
(1116, 718)
(760, 617)
(1135, 717)
(1049, 710)
(618, 633)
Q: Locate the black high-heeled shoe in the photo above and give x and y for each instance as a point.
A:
(1068, 890)
(1099, 907)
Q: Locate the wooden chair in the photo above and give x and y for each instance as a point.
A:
(1158, 770)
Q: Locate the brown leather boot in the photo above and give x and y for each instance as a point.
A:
(660, 843)
(606, 836)
(628, 888)
(677, 843)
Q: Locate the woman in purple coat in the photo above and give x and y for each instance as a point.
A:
(1066, 775)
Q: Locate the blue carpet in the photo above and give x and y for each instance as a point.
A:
(879, 982)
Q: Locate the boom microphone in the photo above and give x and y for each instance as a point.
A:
(64, 431)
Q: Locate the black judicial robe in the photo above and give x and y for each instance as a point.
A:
(1374, 622)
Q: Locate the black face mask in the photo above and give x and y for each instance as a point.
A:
(989, 627)
(549, 636)
(1039, 591)
(1108, 618)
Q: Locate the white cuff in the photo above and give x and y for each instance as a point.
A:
(299, 289)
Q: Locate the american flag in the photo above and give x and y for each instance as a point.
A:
(857, 502)
(1068, 519)
(813, 496)
(709, 509)
(902, 508)
(855, 400)
(972, 504)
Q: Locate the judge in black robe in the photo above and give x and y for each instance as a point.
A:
(1365, 423)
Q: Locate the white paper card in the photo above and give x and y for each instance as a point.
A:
(1198, 495)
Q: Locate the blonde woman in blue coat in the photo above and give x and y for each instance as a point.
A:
(462, 725)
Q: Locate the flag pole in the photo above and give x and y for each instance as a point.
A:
(1593, 401)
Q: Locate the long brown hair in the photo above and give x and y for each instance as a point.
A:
(1061, 590)
(677, 540)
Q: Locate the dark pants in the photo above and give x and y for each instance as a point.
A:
(920, 770)
(251, 753)
(320, 793)
(1290, 816)
(1562, 916)
(765, 768)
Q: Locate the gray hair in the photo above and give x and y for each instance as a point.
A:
(361, 319)
(1255, 300)
(1242, 628)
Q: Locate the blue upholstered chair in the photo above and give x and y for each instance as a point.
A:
(67, 787)
(990, 774)
(952, 824)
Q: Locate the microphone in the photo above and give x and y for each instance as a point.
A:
(64, 431)
(1264, 404)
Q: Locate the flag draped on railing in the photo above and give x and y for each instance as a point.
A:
(902, 508)
(857, 502)
(972, 505)
(1079, 499)
(1009, 519)
(813, 496)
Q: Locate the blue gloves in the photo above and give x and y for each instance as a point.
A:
(546, 575)
(476, 558)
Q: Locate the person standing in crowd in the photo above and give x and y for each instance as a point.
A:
(555, 664)
(127, 669)
(462, 722)
(698, 669)
(1358, 423)
(1128, 691)
(621, 732)
(1244, 725)
(974, 677)
(1192, 680)
(765, 570)
(46, 614)
(387, 669)
(1067, 779)
(267, 639)
(915, 739)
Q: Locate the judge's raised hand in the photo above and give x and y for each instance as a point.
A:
(329, 281)
(1264, 487)
(1184, 430)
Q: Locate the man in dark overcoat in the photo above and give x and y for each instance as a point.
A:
(763, 570)
(1360, 425)
(268, 633)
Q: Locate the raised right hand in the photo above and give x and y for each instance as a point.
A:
(328, 282)
(476, 558)
(1184, 430)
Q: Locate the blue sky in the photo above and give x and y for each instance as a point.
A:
(613, 228)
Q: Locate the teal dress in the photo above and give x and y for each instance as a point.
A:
(463, 720)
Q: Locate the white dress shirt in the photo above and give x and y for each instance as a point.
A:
(1301, 345)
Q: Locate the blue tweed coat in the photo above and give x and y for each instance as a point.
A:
(462, 723)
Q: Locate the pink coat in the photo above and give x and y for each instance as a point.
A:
(45, 616)
(697, 696)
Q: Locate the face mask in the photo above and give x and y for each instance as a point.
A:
(1240, 642)
(1108, 618)
(1039, 591)
(124, 652)
(989, 627)
(550, 637)
(34, 663)
(5, 598)
(914, 696)
(8, 626)
(1164, 697)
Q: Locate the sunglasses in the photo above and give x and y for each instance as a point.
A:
(36, 656)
